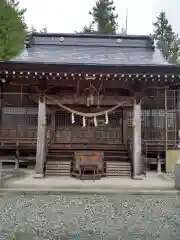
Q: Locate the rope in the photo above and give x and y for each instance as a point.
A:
(88, 115)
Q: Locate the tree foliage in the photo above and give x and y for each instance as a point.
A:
(167, 41)
(104, 18)
(34, 30)
(44, 30)
(12, 30)
(88, 29)
(19, 11)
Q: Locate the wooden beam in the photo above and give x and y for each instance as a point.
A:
(70, 100)
(92, 68)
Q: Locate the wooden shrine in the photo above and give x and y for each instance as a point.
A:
(69, 93)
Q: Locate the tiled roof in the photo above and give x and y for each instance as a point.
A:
(90, 49)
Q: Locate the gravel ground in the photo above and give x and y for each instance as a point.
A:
(94, 217)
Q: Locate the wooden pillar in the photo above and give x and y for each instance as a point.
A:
(137, 156)
(1, 102)
(178, 117)
(177, 166)
(1, 172)
(41, 138)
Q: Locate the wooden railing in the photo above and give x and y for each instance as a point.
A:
(15, 133)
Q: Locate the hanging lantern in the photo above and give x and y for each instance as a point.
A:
(106, 118)
(84, 121)
(95, 121)
(72, 118)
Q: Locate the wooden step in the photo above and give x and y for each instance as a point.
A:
(118, 163)
(58, 168)
(116, 153)
(58, 156)
(91, 147)
(115, 169)
(57, 173)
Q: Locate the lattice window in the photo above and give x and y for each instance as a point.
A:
(146, 118)
(22, 116)
(130, 119)
(171, 118)
(64, 119)
(158, 118)
(12, 116)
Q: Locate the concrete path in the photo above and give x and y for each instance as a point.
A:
(154, 182)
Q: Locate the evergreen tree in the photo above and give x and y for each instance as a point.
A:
(20, 11)
(167, 41)
(88, 29)
(104, 18)
(44, 30)
(32, 29)
(12, 30)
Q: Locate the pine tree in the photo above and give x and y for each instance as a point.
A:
(167, 41)
(88, 29)
(12, 30)
(20, 11)
(32, 29)
(104, 18)
(44, 30)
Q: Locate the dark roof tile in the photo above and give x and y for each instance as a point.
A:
(91, 49)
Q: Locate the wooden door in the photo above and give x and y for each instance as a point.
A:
(108, 134)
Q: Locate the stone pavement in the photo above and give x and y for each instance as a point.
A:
(153, 182)
(90, 217)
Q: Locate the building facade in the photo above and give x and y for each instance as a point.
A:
(111, 98)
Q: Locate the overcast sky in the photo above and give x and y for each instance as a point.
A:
(71, 15)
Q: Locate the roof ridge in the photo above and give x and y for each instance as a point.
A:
(99, 46)
(82, 35)
(30, 40)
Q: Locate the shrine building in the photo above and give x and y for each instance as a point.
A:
(90, 106)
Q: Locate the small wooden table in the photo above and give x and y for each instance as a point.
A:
(88, 160)
(84, 167)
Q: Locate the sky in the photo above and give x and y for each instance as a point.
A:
(68, 16)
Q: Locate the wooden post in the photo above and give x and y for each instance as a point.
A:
(177, 166)
(1, 172)
(1, 103)
(177, 117)
(41, 138)
(137, 156)
(159, 164)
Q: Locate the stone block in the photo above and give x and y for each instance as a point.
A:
(138, 177)
(177, 176)
(38, 175)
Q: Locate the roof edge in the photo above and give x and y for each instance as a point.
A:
(22, 64)
(94, 35)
